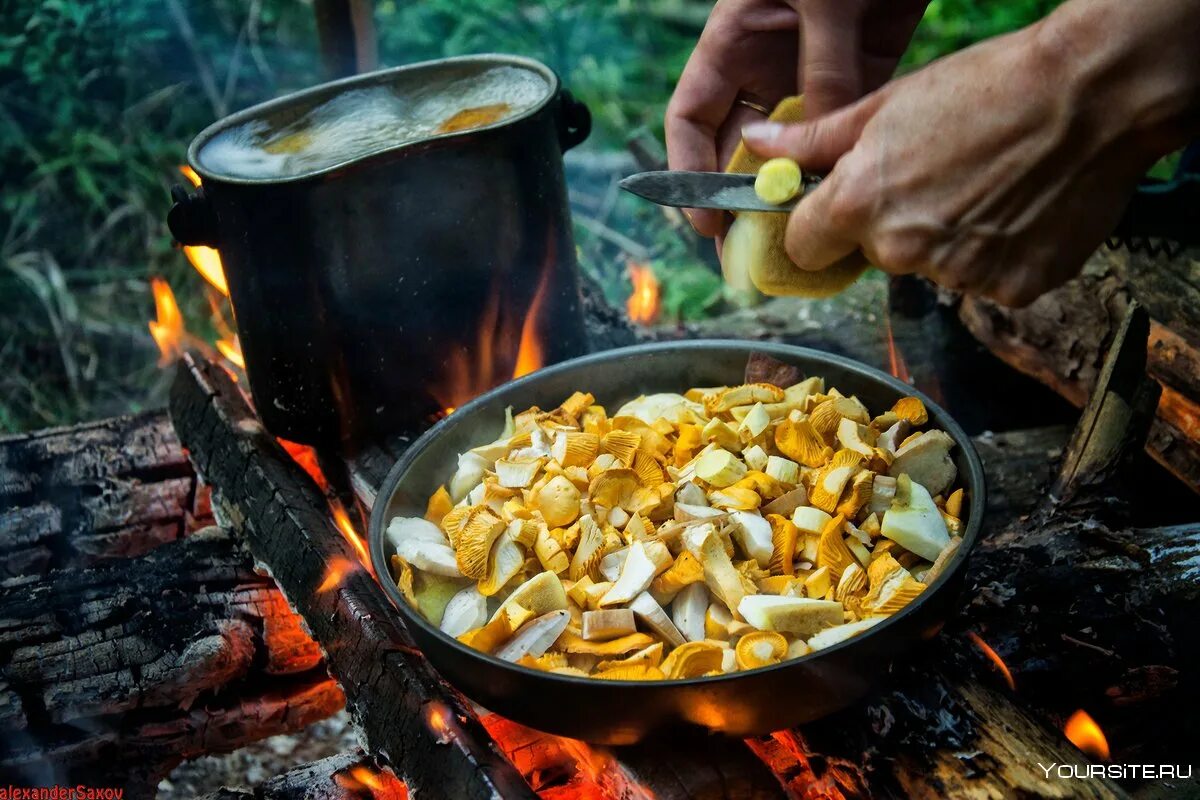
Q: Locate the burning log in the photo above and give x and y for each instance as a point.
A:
(346, 776)
(114, 673)
(406, 713)
(1061, 339)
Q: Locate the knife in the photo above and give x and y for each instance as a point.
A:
(1167, 211)
(730, 191)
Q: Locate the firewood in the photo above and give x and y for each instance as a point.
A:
(405, 711)
(113, 674)
(1061, 339)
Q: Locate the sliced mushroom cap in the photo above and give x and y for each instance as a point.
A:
(479, 532)
(540, 594)
(558, 500)
(535, 637)
(926, 459)
(760, 649)
(783, 470)
(890, 439)
(852, 435)
(571, 643)
(744, 395)
(810, 520)
(693, 660)
(589, 550)
(800, 442)
(505, 561)
(614, 488)
(720, 468)
(517, 474)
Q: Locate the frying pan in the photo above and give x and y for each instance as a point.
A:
(621, 712)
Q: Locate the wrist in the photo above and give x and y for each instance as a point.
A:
(1130, 71)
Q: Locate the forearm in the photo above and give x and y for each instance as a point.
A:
(1131, 71)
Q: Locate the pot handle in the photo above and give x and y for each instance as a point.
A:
(191, 219)
(574, 120)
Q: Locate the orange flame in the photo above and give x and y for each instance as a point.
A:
(1085, 734)
(167, 329)
(190, 174)
(896, 363)
(339, 568)
(644, 304)
(206, 260)
(347, 528)
(232, 350)
(995, 658)
(381, 784)
(529, 354)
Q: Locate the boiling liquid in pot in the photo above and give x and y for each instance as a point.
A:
(360, 122)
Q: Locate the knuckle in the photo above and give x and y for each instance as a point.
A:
(848, 206)
(900, 251)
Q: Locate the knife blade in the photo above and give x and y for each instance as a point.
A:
(724, 190)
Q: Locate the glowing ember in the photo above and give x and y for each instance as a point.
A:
(1085, 734)
(644, 304)
(206, 260)
(339, 568)
(994, 657)
(380, 784)
(167, 329)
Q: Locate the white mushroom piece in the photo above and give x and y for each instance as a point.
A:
(914, 522)
(655, 618)
(535, 637)
(639, 569)
(754, 535)
(840, 633)
(423, 545)
(688, 610)
(926, 459)
(465, 611)
(802, 616)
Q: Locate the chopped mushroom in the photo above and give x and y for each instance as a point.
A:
(687, 535)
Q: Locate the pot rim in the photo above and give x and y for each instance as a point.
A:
(382, 76)
(974, 467)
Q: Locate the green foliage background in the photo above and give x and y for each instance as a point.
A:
(99, 99)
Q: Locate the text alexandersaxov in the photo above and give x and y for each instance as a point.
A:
(80, 792)
(1115, 771)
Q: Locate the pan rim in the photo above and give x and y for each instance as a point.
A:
(977, 505)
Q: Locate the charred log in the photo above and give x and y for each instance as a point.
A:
(406, 712)
(113, 674)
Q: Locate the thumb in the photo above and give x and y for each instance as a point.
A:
(815, 145)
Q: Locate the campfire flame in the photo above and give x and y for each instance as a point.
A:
(529, 355)
(342, 518)
(896, 363)
(1085, 734)
(644, 304)
(206, 260)
(339, 568)
(167, 328)
(378, 784)
(994, 657)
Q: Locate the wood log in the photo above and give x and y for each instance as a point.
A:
(75, 496)
(405, 711)
(112, 674)
(1061, 338)
(347, 776)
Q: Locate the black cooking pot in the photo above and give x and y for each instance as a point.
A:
(372, 293)
(619, 712)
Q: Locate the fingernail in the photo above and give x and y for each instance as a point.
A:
(761, 132)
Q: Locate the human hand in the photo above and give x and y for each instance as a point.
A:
(996, 170)
(753, 48)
